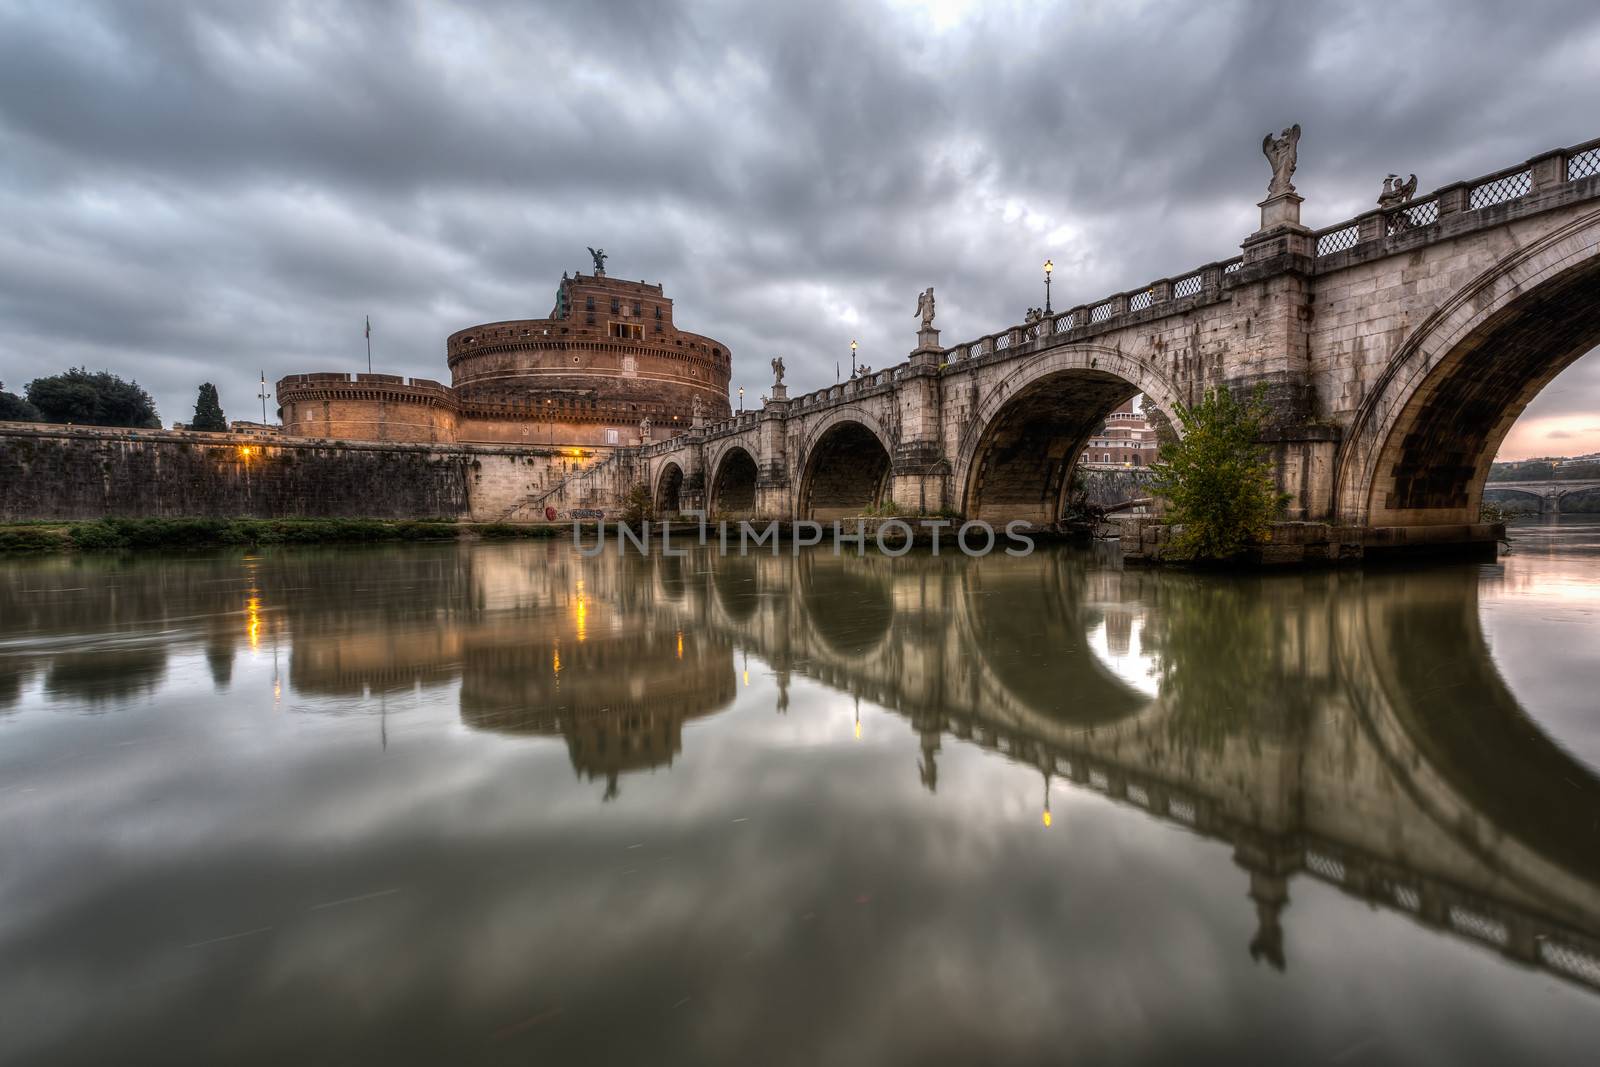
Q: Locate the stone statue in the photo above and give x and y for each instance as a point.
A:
(644, 429)
(1280, 152)
(777, 371)
(697, 408)
(599, 255)
(925, 307)
(1396, 192)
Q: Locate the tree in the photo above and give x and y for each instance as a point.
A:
(97, 399)
(1218, 479)
(208, 411)
(637, 505)
(15, 409)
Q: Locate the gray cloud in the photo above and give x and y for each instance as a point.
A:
(209, 190)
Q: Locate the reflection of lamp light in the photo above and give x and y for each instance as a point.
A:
(858, 718)
(1045, 817)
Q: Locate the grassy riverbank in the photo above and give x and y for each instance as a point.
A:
(121, 534)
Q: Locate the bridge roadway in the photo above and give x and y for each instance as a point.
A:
(1330, 751)
(1548, 493)
(1396, 350)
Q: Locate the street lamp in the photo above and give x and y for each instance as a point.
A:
(741, 398)
(1048, 267)
(265, 396)
(852, 359)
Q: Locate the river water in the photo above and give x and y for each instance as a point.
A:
(502, 803)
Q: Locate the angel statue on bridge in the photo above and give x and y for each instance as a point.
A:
(1280, 152)
(777, 371)
(925, 307)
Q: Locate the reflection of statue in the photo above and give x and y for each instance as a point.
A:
(925, 307)
(777, 371)
(599, 255)
(1396, 192)
(1280, 152)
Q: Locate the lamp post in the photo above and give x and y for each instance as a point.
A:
(265, 396)
(852, 360)
(1048, 267)
(741, 399)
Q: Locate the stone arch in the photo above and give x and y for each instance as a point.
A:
(733, 483)
(844, 466)
(1419, 448)
(1029, 428)
(669, 489)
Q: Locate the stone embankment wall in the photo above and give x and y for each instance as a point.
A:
(62, 472)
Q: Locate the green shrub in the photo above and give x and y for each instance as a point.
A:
(33, 539)
(1217, 478)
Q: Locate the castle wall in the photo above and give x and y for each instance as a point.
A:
(367, 407)
(74, 473)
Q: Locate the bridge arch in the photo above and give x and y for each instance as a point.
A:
(733, 483)
(1420, 446)
(845, 467)
(1018, 450)
(669, 490)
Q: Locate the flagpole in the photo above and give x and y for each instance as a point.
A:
(369, 344)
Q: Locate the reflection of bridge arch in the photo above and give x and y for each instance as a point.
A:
(1009, 613)
(1019, 448)
(733, 483)
(1492, 768)
(1419, 448)
(845, 467)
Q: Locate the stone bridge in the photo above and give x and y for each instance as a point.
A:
(1396, 348)
(1549, 494)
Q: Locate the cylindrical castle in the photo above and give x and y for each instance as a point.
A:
(606, 359)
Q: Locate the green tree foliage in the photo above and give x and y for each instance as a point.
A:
(637, 506)
(1217, 478)
(15, 409)
(93, 399)
(208, 411)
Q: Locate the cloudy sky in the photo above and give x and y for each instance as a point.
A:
(205, 191)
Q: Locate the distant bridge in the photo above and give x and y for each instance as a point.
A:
(1548, 493)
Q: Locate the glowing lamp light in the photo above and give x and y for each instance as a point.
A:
(1045, 818)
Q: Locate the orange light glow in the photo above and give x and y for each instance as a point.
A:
(252, 610)
(245, 451)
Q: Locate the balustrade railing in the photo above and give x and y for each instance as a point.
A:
(1411, 217)
(1338, 239)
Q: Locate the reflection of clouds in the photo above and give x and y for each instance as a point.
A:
(803, 890)
(1122, 651)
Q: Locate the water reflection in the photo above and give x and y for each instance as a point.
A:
(1346, 730)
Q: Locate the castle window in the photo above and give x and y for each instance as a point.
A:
(588, 303)
(636, 308)
(611, 436)
(658, 312)
(616, 304)
(588, 320)
(627, 330)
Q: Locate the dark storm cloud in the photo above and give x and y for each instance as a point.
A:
(208, 190)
